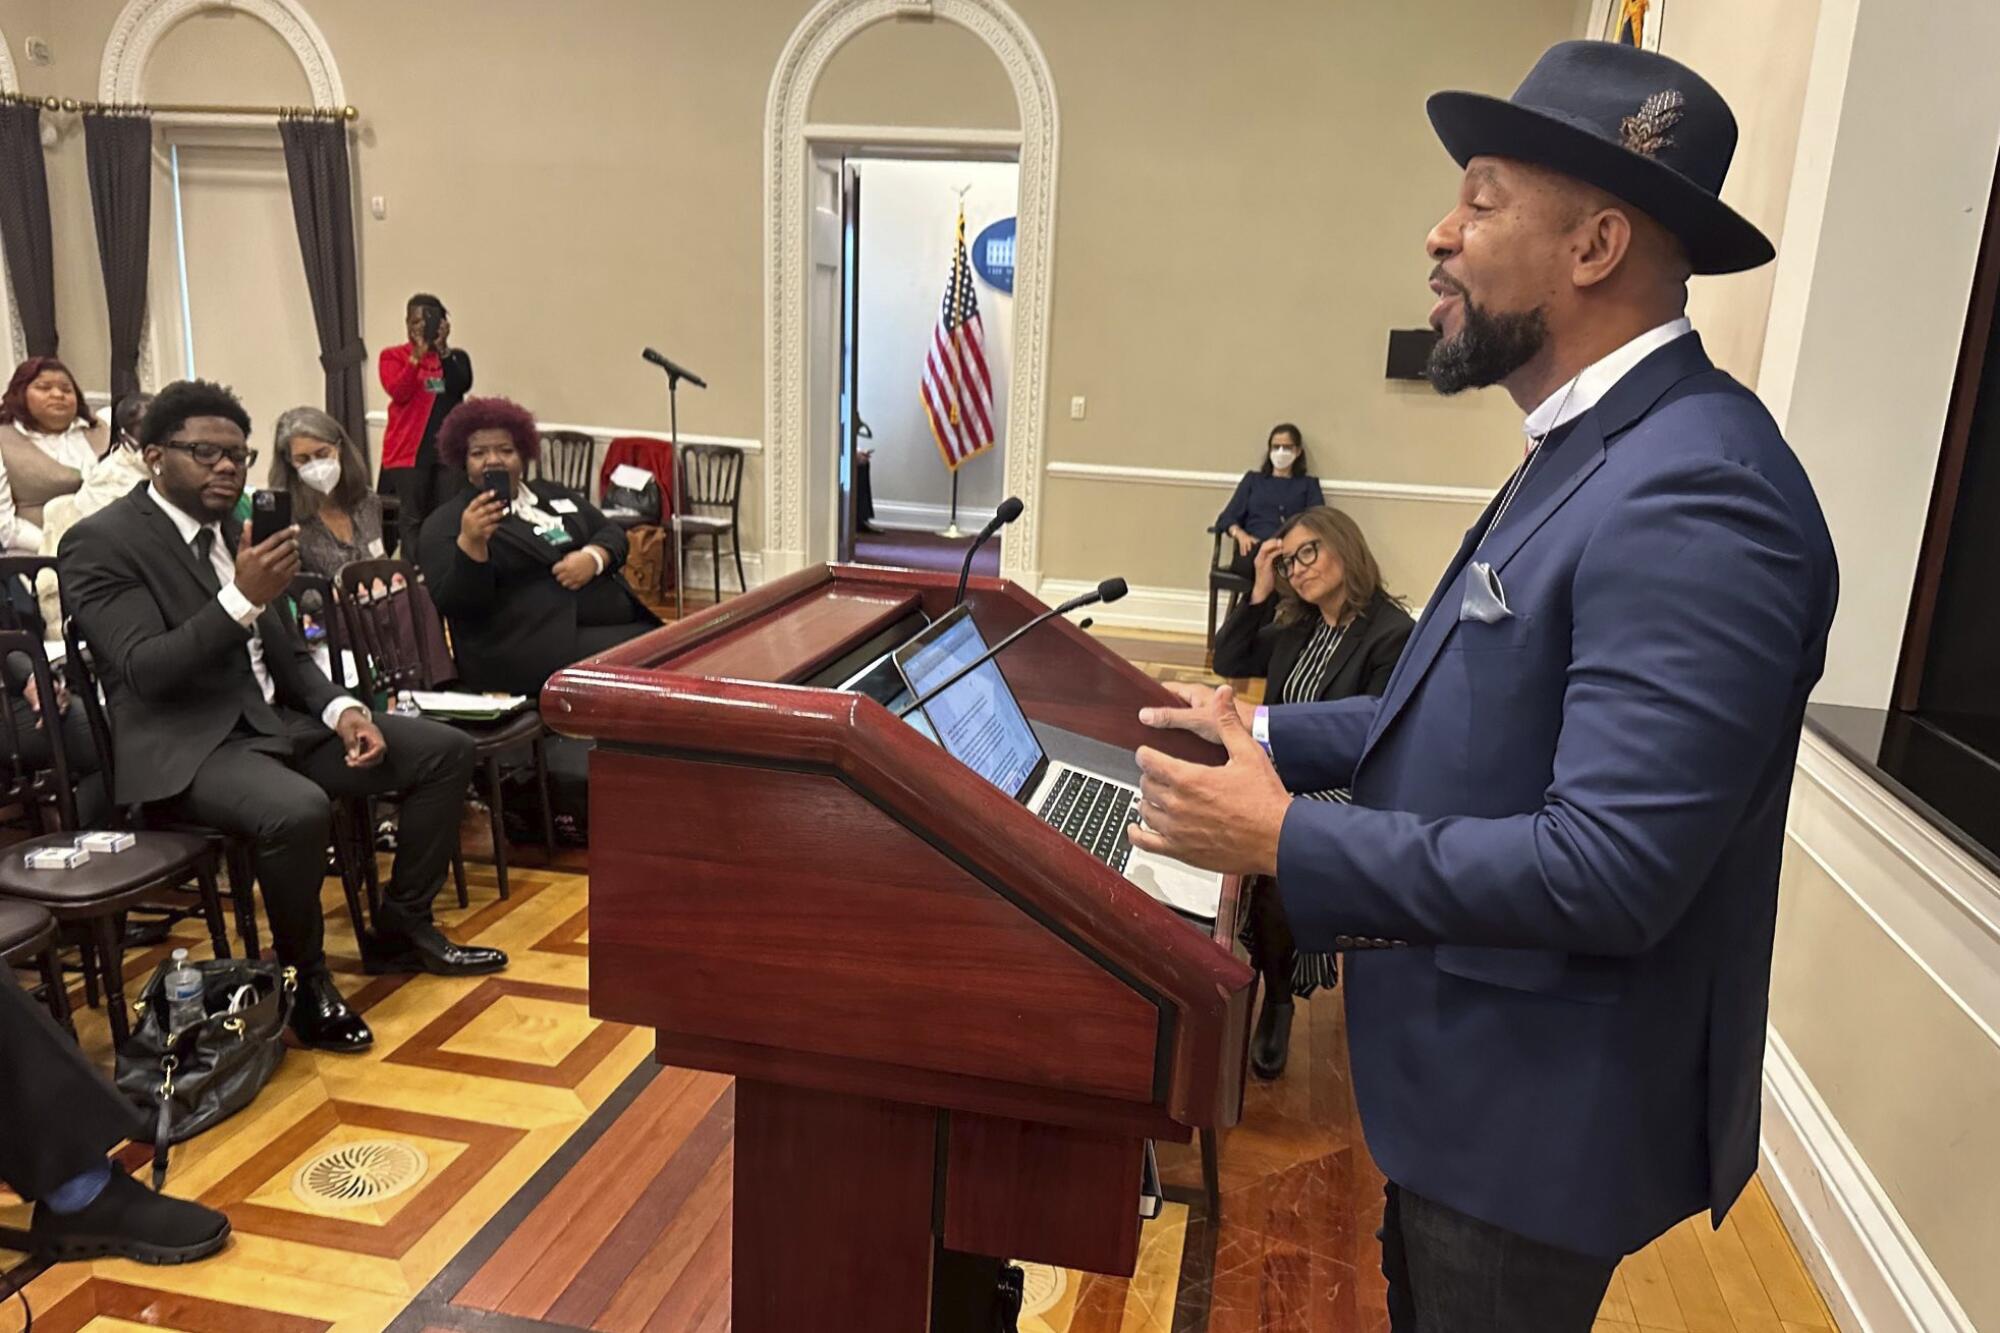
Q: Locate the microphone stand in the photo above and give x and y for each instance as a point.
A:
(1081, 600)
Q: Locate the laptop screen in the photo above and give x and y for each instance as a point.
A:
(977, 720)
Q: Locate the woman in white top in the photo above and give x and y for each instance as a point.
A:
(49, 438)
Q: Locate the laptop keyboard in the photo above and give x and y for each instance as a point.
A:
(1093, 814)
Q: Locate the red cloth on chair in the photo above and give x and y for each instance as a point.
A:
(646, 451)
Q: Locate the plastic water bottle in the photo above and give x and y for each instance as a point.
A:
(183, 992)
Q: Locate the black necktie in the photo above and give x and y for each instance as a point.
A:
(204, 557)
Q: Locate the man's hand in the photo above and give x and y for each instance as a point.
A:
(575, 569)
(265, 570)
(1227, 818)
(1199, 714)
(363, 739)
(478, 524)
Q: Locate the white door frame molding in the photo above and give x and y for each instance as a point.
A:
(142, 23)
(13, 342)
(787, 163)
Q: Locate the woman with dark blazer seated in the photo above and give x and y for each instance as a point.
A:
(529, 587)
(1265, 499)
(1318, 626)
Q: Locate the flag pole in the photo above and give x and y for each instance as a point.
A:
(952, 530)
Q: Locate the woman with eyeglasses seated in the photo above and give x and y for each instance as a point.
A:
(531, 584)
(1318, 626)
(111, 477)
(48, 438)
(1267, 498)
(339, 517)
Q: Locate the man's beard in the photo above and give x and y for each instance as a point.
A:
(1487, 350)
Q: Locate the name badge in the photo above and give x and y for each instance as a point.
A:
(555, 534)
(563, 506)
(434, 384)
(375, 548)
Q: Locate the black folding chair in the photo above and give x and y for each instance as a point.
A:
(566, 459)
(711, 478)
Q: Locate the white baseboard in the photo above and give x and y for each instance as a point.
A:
(1180, 610)
(908, 516)
(1860, 1252)
(699, 570)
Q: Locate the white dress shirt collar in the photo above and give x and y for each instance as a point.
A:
(184, 523)
(1575, 397)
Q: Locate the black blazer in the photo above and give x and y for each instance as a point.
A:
(175, 667)
(1251, 643)
(513, 626)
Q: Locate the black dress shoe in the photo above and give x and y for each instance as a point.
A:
(424, 948)
(1273, 1040)
(129, 1221)
(322, 1020)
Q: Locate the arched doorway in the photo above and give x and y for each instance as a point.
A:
(789, 532)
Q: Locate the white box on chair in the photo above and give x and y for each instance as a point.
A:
(107, 842)
(56, 858)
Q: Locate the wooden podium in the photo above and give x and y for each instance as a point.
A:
(952, 1030)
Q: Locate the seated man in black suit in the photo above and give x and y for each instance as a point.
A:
(58, 1119)
(218, 710)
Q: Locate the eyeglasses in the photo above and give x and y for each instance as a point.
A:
(208, 455)
(1303, 558)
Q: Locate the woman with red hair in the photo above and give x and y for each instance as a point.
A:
(530, 584)
(49, 438)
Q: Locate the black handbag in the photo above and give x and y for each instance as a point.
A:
(205, 1073)
(643, 501)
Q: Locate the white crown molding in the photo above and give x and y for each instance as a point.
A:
(813, 44)
(142, 23)
(1226, 481)
(1177, 610)
(1860, 1252)
(605, 434)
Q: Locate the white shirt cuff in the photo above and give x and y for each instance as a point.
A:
(1260, 727)
(341, 705)
(240, 608)
(596, 555)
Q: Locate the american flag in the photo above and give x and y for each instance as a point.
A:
(957, 387)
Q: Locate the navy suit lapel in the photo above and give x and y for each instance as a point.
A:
(1550, 482)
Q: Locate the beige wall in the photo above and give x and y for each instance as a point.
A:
(1243, 200)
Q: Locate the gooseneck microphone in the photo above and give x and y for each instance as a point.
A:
(1108, 591)
(1009, 510)
(674, 371)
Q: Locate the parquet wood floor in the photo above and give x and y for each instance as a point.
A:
(572, 1185)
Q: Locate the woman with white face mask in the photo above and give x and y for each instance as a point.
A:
(1265, 500)
(339, 518)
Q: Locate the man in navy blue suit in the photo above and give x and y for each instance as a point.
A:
(1570, 801)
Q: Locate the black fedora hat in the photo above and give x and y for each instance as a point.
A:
(1637, 124)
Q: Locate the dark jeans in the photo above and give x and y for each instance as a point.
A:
(413, 488)
(283, 803)
(1450, 1273)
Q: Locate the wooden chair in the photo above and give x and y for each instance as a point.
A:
(29, 936)
(710, 477)
(90, 901)
(389, 660)
(1222, 579)
(566, 460)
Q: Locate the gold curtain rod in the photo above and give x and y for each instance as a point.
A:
(184, 108)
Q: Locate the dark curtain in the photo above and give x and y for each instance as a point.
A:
(24, 224)
(323, 204)
(118, 147)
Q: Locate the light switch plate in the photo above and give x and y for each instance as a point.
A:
(1076, 408)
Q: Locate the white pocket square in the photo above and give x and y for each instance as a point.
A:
(1485, 600)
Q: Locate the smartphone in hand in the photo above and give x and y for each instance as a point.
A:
(499, 483)
(270, 514)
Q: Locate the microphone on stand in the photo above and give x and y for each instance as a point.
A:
(1009, 510)
(676, 372)
(1108, 591)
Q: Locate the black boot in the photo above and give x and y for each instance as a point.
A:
(322, 1020)
(1273, 1039)
(129, 1221)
